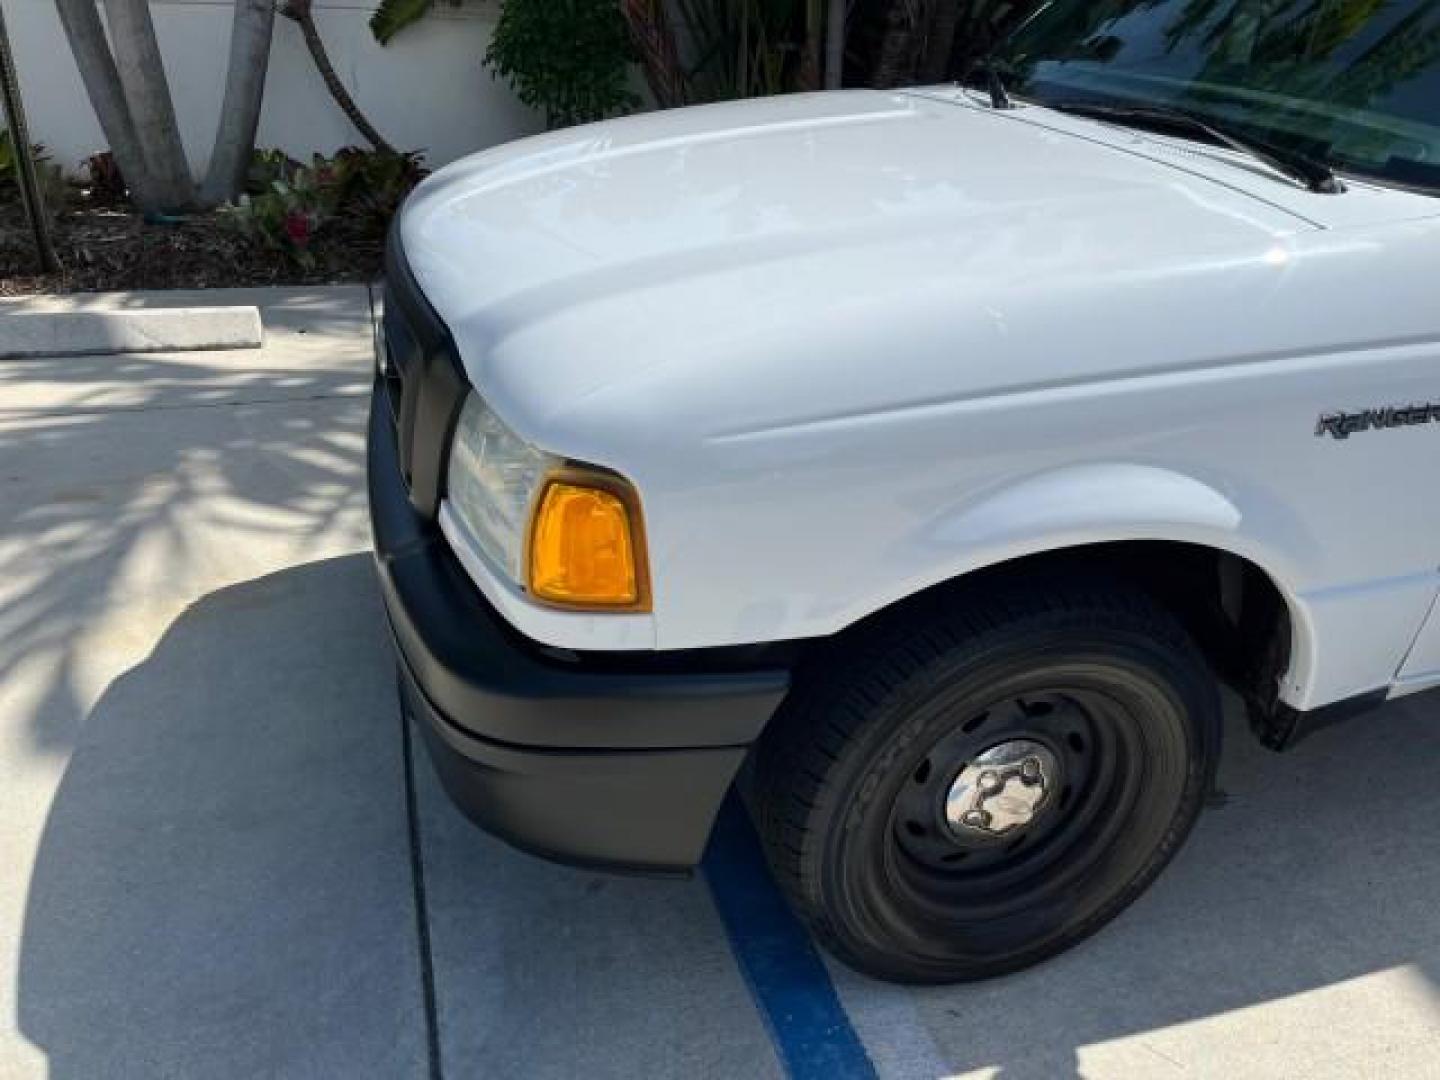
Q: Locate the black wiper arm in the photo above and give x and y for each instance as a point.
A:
(994, 82)
(1315, 175)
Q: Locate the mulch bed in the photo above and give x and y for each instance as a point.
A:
(108, 248)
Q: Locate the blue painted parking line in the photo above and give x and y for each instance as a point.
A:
(811, 1032)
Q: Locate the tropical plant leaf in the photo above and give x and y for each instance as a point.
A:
(392, 16)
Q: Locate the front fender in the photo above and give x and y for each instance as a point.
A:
(1079, 505)
(1088, 503)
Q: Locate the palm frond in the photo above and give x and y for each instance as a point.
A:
(393, 16)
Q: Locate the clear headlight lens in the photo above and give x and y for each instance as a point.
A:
(583, 527)
(493, 479)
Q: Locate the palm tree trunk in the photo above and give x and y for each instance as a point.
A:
(30, 194)
(142, 76)
(940, 40)
(893, 65)
(742, 60)
(250, 34)
(86, 35)
(654, 38)
(810, 75)
(835, 44)
(299, 10)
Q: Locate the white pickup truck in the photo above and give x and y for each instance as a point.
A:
(941, 453)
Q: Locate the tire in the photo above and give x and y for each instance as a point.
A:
(1097, 721)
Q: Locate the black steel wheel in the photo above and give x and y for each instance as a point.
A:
(964, 794)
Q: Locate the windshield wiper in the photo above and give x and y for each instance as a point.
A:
(1315, 175)
(989, 64)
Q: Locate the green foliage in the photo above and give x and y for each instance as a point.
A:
(285, 218)
(570, 58)
(372, 185)
(748, 48)
(53, 189)
(268, 166)
(287, 204)
(392, 16)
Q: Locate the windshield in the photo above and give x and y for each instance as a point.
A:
(1354, 83)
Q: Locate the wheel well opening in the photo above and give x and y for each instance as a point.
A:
(1230, 606)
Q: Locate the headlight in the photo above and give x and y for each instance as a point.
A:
(494, 477)
(571, 535)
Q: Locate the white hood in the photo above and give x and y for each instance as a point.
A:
(654, 267)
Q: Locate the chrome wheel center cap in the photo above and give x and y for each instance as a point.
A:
(1002, 789)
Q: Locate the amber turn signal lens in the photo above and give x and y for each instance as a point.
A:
(583, 548)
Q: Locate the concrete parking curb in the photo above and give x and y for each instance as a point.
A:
(132, 330)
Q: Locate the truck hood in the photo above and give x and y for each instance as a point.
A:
(705, 247)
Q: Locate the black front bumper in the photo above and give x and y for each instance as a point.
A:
(612, 760)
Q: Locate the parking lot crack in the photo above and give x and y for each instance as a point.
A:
(422, 908)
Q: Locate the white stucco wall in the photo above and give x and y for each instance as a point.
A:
(427, 90)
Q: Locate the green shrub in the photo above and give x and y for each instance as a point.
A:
(268, 166)
(372, 185)
(53, 189)
(286, 204)
(569, 58)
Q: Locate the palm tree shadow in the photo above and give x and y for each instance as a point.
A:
(119, 470)
(222, 871)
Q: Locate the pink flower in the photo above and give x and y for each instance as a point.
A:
(298, 228)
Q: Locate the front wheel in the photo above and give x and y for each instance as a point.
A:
(968, 792)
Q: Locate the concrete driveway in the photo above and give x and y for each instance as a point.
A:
(218, 857)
